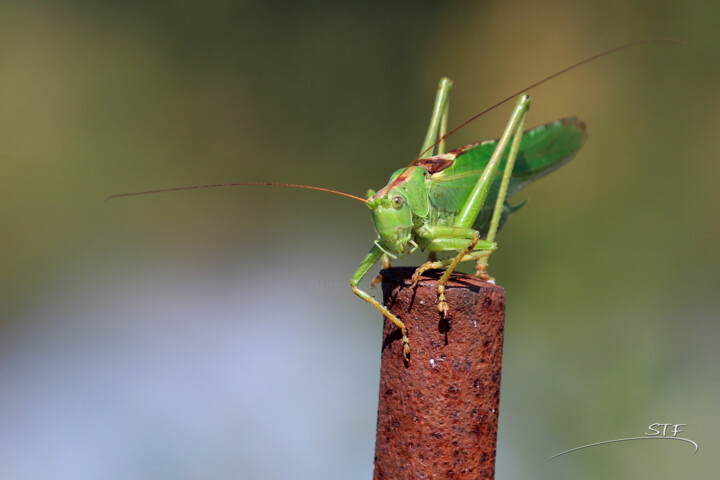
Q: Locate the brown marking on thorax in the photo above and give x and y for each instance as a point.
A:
(438, 163)
(434, 164)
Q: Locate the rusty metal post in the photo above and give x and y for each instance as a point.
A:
(438, 413)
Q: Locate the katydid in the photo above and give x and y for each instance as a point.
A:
(446, 202)
(455, 201)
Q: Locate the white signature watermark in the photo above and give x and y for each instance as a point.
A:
(656, 434)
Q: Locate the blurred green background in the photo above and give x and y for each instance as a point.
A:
(212, 334)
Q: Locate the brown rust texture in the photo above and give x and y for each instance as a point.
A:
(438, 412)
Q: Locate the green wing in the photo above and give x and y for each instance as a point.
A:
(543, 149)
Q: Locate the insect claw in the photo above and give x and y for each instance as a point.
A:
(418, 272)
(406, 344)
(442, 304)
(481, 270)
(376, 280)
(406, 349)
(443, 308)
(482, 274)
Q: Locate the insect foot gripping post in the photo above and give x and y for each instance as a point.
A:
(455, 202)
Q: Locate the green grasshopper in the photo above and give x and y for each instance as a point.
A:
(448, 201)
(456, 201)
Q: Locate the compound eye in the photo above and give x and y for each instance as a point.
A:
(397, 202)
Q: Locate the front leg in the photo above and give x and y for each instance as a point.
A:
(371, 259)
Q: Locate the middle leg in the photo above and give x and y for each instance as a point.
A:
(468, 249)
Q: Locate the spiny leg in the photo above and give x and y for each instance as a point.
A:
(465, 241)
(436, 130)
(371, 259)
(475, 255)
(442, 303)
(438, 120)
(436, 264)
(429, 265)
(475, 201)
(481, 266)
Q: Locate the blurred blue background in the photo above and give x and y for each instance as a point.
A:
(212, 334)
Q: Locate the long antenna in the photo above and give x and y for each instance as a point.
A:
(241, 184)
(539, 82)
(439, 140)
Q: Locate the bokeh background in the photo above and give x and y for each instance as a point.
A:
(211, 334)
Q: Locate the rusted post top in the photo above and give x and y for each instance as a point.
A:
(438, 413)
